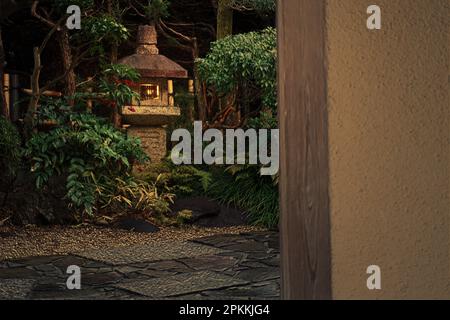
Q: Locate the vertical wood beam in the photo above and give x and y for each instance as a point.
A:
(3, 102)
(7, 102)
(302, 99)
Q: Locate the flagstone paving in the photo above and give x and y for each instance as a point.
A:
(244, 266)
(155, 252)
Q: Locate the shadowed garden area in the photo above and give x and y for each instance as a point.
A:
(87, 175)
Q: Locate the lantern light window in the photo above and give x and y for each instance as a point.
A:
(149, 91)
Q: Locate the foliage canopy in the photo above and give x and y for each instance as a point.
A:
(258, 5)
(244, 61)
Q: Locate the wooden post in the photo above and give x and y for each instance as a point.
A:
(191, 86)
(191, 105)
(89, 103)
(304, 204)
(6, 88)
(14, 91)
(170, 93)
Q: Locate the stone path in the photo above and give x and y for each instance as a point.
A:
(244, 266)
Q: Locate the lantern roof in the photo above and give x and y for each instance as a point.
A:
(147, 60)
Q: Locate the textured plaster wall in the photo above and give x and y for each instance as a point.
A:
(389, 148)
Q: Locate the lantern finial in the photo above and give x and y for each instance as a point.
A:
(147, 40)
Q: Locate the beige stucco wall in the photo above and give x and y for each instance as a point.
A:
(389, 148)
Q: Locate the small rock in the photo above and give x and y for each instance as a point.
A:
(137, 225)
(200, 207)
(209, 213)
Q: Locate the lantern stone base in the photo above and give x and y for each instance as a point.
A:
(153, 140)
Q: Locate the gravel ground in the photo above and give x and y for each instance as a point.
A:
(39, 241)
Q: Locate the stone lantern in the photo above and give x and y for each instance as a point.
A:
(147, 118)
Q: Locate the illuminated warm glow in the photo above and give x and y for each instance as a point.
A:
(170, 86)
(149, 91)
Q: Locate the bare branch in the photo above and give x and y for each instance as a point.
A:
(35, 14)
(203, 25)
(179, 44)
(176, 33)
(137, 11)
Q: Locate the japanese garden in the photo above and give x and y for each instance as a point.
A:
(93, 94)
(223, 150)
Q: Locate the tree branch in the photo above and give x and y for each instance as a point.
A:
(35, 14)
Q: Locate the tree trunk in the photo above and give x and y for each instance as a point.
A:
(3, 104)
(34, 100)
(67, 59)
(201, 108)
(116, 113)
(114, 46)
(224, 19)
(224, 29)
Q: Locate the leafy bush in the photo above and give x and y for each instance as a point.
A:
(114, 84)
(120, 72)
(88, 150)
(156, 10)
(110, 92)
(258, 5)
(131, 193)
(102, 30)
(106, 28)
(243, 186)
(179, 180)
(10, 149)
(244, 63)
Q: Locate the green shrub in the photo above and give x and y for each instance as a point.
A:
(10, 149)
(86, 149)
(102, 30)
(243, 186)
(246, 64)
(178, 180)
(113, 84)
(156, 10)
(122, 193)
(261, 6)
